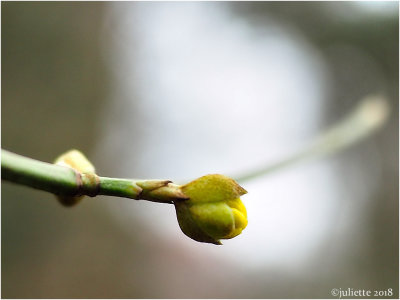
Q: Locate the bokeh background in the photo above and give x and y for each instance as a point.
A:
(179, 90)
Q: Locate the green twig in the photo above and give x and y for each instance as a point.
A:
(66, 181)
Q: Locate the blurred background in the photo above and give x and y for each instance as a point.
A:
(180, 90)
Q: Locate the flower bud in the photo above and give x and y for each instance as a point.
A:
(214, 210)
(76, 160)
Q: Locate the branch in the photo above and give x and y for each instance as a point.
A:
(69, 182)
(213, 212)
(370, 114)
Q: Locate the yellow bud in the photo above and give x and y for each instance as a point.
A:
(76, 160)
(214, 210)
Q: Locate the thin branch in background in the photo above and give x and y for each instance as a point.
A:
(370, 114)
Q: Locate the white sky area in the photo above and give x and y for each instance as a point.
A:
(216, 95)
(377, 7)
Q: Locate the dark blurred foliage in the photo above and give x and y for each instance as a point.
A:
(51, 67)
(53, 84)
